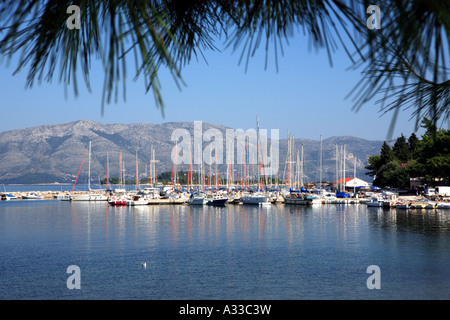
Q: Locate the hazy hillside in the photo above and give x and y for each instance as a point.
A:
(51, 153)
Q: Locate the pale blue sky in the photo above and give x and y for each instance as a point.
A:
(306, 97)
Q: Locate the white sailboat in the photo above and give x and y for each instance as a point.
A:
(89, 196)
(254, 198)
(197, 199)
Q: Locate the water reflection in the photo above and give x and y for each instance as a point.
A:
(240, 225)
(424, 221)
(235, 251)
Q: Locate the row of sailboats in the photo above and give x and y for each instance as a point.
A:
(119, 196)
(294, 192)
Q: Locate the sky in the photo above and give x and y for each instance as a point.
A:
(305, 97)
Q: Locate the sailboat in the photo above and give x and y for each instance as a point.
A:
(89, 196)
(258, 198)
(254, 198)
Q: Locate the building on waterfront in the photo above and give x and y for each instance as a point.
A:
(351, 183)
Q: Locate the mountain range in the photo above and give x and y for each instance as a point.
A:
(54, 153)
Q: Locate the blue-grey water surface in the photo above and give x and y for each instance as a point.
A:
(231, 252)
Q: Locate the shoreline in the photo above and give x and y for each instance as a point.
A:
(50, 195)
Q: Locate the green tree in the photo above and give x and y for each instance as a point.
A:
(386, 155)
(401, 149)
(374, 165)
(434, 151)
(413, 143)
(393, 175)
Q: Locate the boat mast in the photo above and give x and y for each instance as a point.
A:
(258, 159)
(123, 174)
(337, 168)
(176, 159)
(354, 176)
(107, 173)
(217, 172)
(120, 169)
(137, 175)
(189, 178)
(301, 169)
(73, 188)
(288, 162)
(89, 168)
(320, 173)
(343, 167)
(151, 168)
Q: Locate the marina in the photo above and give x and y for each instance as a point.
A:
(155, 196)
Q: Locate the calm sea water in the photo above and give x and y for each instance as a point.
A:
(232, 252)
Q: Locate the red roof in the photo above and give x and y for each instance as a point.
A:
(342, 180)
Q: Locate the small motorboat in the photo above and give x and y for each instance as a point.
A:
(197, 199)
(255, 198)
(216, 201)
(32, 196)
(7, 196)
(138, 200)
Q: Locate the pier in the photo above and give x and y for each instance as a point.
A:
(401, 202)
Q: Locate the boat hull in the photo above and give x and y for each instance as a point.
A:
(118, 202)
(217, 202)
(298, 201)
(87, 197)
(32, 196)
(197, 201)
(254, 200)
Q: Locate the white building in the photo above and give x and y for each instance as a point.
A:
(351, 183)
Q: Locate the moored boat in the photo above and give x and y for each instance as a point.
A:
(418, 204)
(254, 198)
(197, 199)
(402, 205)
(443, 205)
(32, 196)
(298, 198)
(89, 197)
(216, 200)
(431, 205)
(7, 196)
(375, 201)
(137, 200)
(118, 201)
